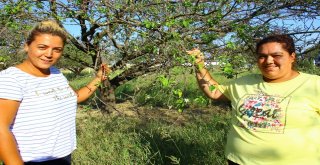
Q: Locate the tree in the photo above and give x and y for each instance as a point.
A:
(74, 59)
(15, 20)
(153, 35)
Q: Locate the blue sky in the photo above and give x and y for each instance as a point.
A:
(74, 29)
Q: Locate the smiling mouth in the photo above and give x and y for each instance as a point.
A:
(46, 61)
(270, 68)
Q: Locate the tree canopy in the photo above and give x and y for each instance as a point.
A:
(146, 33)
(153, 35)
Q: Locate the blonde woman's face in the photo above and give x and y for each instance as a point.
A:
(44, 51)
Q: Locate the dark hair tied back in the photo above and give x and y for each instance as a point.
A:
(285, 40)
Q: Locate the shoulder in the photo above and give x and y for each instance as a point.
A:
(11, 84)
(10, 74)
(310, 81)
(311, 77)
(8, 71)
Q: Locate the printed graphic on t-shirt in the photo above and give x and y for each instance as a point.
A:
(263, 113)
(58, 93)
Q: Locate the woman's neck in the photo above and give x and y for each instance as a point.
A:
(28, 67)
(289, 76)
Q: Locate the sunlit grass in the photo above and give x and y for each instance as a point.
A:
(125, 140)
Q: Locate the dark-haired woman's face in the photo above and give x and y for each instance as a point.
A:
(274, 62)
(44, 51)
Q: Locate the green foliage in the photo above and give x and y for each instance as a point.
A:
(228, 70)
(180, 102)
(201, 101)
(149, 24)
(236, 64)
(307, 66)
(74, 59)
(186, 23)
(3, 59)
(164, 81)
(305, 62)
(154, 35)
(178, 91)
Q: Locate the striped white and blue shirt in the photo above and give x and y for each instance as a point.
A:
(44, 126)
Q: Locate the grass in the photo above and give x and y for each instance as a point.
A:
(154, 138)
(126, 140)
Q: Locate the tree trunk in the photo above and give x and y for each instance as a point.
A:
(108, 98)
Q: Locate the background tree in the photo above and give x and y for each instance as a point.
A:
(74, 59)
(15, 20)
(153, 35)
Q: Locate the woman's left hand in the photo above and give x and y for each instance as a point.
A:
(103, 72)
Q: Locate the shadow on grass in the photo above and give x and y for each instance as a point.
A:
(154, 138)
(186, 145)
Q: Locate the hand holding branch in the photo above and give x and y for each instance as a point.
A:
(103, 72)
(199, 57)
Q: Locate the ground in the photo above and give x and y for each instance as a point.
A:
(129, 109)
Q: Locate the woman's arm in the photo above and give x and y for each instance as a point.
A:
(9, 153)
(85, 92)
(205, 80)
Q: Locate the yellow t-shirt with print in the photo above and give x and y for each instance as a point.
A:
(274, 123)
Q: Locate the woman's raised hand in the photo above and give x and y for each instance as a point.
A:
(103, 72)
(198, 55)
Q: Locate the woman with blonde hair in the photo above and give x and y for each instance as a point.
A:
(37, 105)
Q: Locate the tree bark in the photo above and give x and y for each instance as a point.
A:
(108, 98)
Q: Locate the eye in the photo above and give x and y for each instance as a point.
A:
(276, 56)
(42, 47)
(58, 50)
(262, 56)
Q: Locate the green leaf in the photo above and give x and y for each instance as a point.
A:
(164, 81)
(178, 92)
(116, 73)
(187, 4)
(200, 100)
(231, 45)
(200, 66)
(170, 23)
(179, 102)
(186, 23)
(211, 88)
(228, 68)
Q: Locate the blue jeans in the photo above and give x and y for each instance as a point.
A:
(61, 161)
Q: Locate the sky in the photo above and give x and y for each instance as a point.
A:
(74, 29)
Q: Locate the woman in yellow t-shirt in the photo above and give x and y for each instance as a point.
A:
(275, 114)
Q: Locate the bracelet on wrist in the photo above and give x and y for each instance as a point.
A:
(89, 88)
(202, 78)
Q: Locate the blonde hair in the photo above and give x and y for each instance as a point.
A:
(47, 27)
